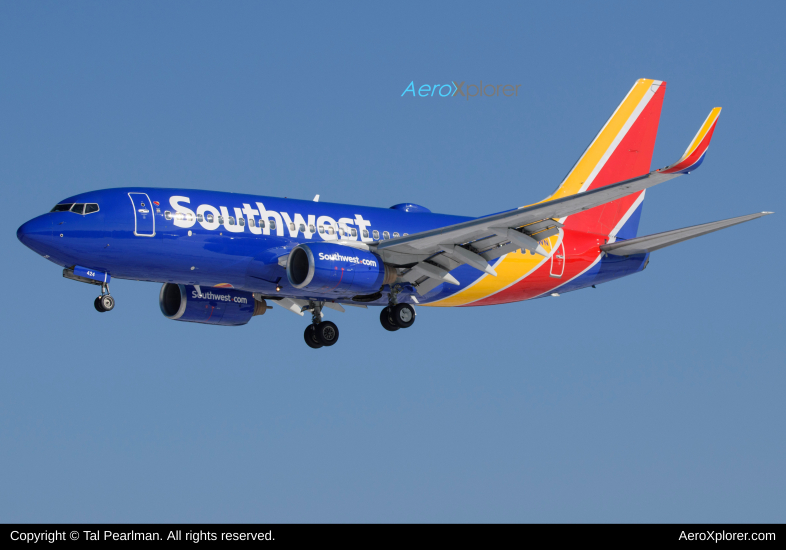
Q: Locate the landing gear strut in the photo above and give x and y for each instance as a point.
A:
(319, 333)
(396, 315)
(105, 302)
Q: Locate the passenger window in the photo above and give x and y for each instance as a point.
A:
(221, 220)
(291, 226)
(311, 229)
(331, 231)
(62, 207)
(385, 235)
(395, 234)
(302, 228)
(78, 208)
(322, 229)
(272, 224)
(167, 215)
(365, 233)
(354, 232)
(251, 222)
(262, 224)
(376, 235)
(200, 219)
(208, 217)
(90, 208)
(242, 222)
(341, 232)
(189, 217)
(405, 234)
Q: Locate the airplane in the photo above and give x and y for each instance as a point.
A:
(224, 257)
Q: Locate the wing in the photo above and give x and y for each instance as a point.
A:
(651, 243)
(429, 256)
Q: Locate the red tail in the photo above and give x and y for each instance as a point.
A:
(622, 150)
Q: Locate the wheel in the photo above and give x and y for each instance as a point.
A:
(327, 333)
(310, 337)
(97, 304)
(403, 315)
(387, 322)
(107, 302)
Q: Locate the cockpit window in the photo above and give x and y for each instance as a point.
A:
(77, 208)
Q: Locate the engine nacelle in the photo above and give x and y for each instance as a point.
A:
(216, 306)
(334, 268)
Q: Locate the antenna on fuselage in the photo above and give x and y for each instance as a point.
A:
(316, 198)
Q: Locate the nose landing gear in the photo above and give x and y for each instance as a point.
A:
(319, 333)
(105, 302)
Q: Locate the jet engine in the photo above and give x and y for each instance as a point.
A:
(212, 306)
(337, 269)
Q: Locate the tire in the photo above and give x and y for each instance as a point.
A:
(310, 336)
(403, 315)
(107, 302)
(327, 333)
(97, 304)
(387, 322)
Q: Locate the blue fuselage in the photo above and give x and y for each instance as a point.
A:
(209, 238)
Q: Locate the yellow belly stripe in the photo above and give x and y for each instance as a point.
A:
(513, 267)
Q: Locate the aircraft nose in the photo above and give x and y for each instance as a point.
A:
(36, 233)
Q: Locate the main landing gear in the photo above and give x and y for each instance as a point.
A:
(325, 333)
(396, 315)
(105, 302)
(319, 333)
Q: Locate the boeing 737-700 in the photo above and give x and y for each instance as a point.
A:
(224, 257)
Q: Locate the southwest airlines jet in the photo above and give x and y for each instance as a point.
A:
(223, 257)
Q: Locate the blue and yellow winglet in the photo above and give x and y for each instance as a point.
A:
(694, 154)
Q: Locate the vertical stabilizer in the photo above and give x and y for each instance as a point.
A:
(622, 150)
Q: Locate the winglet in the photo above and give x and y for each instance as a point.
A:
(694, 154)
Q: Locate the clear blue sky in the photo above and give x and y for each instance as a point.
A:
(659, 397)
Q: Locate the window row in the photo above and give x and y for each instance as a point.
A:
(76, 208)
(209, 218)
(323, 229)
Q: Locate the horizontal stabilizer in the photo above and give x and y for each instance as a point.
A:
(650, 243)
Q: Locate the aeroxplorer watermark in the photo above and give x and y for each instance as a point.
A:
(459, 90)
